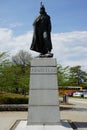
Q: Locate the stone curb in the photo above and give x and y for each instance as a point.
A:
(14, 107)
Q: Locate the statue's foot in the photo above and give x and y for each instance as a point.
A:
(49, 55)
(46, 55)
(42, 55)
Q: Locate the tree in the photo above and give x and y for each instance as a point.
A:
(77, 76)
(14, 74)
(21, 63)
(4, 64)
(63, 75)
(22, 58)
(2, 57)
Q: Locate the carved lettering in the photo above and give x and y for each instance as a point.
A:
(43, 70)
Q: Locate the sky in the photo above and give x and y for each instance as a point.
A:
(69, 28)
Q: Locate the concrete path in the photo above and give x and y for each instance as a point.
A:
(76, 113)
(7, 119)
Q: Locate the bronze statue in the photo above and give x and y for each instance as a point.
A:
(41, 41)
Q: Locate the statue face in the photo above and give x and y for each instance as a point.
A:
(42, 10)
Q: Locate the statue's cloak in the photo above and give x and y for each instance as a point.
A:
(41, 41)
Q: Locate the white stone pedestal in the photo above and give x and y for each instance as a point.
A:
(43, 106)
(23, 126)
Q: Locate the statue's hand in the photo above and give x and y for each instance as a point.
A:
(45, 34)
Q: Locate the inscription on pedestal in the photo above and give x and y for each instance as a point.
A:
(43, 70)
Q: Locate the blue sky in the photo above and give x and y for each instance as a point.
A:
(66, 15)
(69, 27)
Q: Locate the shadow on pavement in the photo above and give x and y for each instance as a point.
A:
(81, 124)
(72, 108)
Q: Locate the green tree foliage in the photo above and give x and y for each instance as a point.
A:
(77, 76)
(71, 76)
(4, 64)
(14, 75)
(63, 75)
(22, 69)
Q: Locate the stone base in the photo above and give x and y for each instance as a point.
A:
(43, 108)
(63, 126)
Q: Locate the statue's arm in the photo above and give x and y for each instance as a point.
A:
(37, 19)
(49, 24)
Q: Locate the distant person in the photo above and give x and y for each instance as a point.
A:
(41, 41)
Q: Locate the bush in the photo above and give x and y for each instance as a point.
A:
(6, 98)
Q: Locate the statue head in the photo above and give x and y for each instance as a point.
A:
(42, 9)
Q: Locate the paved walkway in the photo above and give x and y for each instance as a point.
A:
(75, 113)
(7, 119)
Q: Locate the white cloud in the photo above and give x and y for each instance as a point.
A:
(10, 43)
(13, 25)
(69, 48)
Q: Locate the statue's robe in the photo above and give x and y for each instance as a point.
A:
(41, 41)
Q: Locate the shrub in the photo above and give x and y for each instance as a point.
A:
(7, 98)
